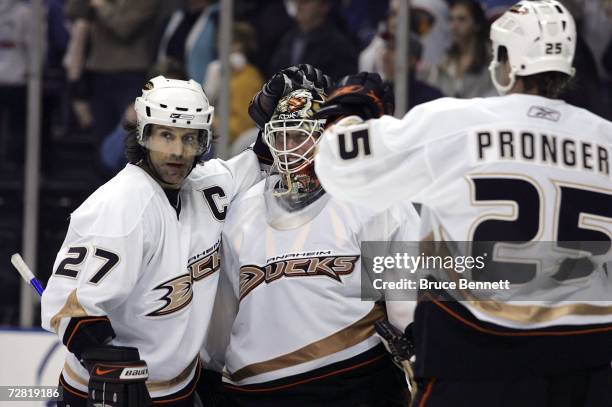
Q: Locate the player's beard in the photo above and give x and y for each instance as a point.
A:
(167, 176)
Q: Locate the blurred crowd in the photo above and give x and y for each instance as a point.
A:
(99, 53)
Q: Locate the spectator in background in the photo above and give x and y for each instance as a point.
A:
(463, 73)
(15, 40)
(270, 20)
(57, 34)
(74, 65)
(371, 57)
(316, 41)
(429, 19)
(120, 44)
(245, 81)
(418, 91)
(190, 38)
(362, 18)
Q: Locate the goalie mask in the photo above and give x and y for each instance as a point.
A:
(292, 135)
(532, 37)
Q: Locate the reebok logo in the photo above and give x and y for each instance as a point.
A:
(544, 113)
(181, 116)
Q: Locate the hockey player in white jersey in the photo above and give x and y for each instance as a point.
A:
(133, 285)
(523, 167)
(302, 335)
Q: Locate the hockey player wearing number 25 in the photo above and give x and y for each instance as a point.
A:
(523, 167)
(133, 284)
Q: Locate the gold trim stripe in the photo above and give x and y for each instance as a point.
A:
(151, 386)
(343, 339)
(537, 313)
(524, 332)
(71, 309)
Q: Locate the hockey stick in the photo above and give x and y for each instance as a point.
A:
(26, 273)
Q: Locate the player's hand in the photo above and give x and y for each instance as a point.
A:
(401, 347)
(117, 377)
(364, 94)
(305, 76)
(308, 77)
(262, 151)
(399, 344)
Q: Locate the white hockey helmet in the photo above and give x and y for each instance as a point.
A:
(175, 103)
(538, 35)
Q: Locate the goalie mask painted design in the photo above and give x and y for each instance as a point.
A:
(538, 36)
(292, 136)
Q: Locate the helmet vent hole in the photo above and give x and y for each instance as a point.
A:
(199, 109)
(148, 111)
(502, 54)
(173, 120)
(559, 9)
(563, 24)
(182, 109)
(164, 106)
(188, 122)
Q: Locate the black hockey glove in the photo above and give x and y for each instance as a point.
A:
(117, 377)
(363, 94)
(261, 149)
(300, 76)
(400, 345)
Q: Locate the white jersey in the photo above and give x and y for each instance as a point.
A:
(514, 168)
(128, 256)
(298, 291)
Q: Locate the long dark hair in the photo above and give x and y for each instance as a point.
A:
(549, 84)
(482, 51)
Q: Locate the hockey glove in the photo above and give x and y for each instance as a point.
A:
(363, 94)
(117, 377)
(400, 346)
(261, 149)
(305, 76)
